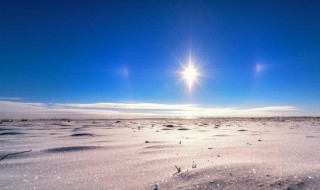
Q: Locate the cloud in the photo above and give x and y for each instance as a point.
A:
(13, 109)
(9, 98)
(127, 106)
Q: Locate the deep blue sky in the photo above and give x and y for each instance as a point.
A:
(131, 51)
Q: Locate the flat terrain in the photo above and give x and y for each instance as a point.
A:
(233, 153)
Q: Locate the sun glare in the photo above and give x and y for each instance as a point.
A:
(190, 74)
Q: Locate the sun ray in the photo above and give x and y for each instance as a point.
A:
(190, 74)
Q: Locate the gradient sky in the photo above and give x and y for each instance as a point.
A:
(251, 53)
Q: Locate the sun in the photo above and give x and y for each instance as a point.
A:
(190, 74)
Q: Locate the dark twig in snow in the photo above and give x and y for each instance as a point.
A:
(178, 169)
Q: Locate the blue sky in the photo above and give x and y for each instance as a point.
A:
(250, 54)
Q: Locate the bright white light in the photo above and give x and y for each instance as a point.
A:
(190, 74)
